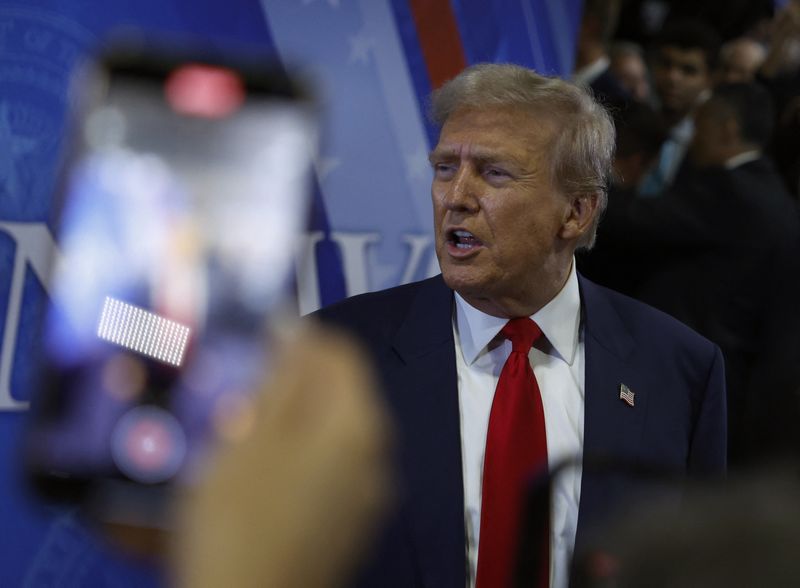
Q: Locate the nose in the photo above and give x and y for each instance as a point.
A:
(460, 194)
(674, 74)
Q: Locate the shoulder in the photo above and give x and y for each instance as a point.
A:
(385, 310)
(642, 326)
(759, 179)
(765, 200)
(682, 370)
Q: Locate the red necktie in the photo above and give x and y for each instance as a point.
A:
(516, 448)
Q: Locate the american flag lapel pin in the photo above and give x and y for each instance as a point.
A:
(626, 394)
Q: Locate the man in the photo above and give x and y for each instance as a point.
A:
(519, 176)
(740, 60)
(686, 57)
(640, 132)
(628, 66)
(616, 262)
(592, 63)
(723, 252)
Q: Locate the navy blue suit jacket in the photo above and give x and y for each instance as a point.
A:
(678, 420)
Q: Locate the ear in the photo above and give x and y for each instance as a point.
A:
(583, 208)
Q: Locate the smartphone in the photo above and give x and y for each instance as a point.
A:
(184, 190)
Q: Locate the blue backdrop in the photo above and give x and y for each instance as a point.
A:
(375, 62)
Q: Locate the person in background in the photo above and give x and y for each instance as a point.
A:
(740, 60)
(780, 73)
(627, 64)
(616, 261)
(782, 55)
(685, 59)
(640, 134)
(592, 62)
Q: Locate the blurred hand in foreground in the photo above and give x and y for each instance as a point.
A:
(293, 502)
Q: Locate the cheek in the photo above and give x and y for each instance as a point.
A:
(435, 194)
(696, 82)
(436, 200)
(523, 232)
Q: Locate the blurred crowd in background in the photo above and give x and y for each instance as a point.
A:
(702, 220)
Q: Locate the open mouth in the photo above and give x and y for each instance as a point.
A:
(463, 240)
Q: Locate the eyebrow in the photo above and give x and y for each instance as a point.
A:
(480, 156)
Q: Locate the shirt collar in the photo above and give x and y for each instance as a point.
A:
(683, 131)
(590, 72)
(559, 321)
(742, 158)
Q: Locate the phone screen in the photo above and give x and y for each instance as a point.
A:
(178, 217)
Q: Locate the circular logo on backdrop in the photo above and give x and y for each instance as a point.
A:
(38, 50)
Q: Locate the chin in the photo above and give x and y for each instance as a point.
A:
(465, 283)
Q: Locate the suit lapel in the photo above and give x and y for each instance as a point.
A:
(428, 401)
(612, 428)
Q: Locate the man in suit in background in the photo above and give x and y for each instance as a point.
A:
(685, 60)
(592, 61)
(519, 184)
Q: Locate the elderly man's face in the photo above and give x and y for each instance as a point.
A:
(500, 220)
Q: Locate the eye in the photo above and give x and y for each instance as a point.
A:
(444, 171)
(496, 175)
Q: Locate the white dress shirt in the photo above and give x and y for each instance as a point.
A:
(558, 364)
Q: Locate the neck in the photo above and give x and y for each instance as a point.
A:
(739, 150)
